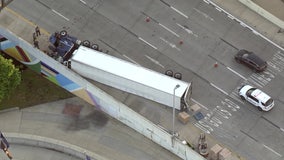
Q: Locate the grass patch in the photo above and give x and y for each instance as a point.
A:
(34, 89)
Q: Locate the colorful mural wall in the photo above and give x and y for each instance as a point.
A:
(48, 72)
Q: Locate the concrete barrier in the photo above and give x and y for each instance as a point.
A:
(49, 143)
(253, 6)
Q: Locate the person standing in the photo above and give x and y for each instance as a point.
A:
(36, 45)
(37, 31)
(34, 36)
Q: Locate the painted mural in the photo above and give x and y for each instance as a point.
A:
(16, 52)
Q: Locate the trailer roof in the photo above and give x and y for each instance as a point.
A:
(129, 70)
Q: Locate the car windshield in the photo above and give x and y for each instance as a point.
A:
(250, 91)
(269, 102)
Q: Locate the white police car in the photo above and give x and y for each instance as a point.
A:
(261, 100)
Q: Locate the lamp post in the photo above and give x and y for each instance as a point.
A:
(173, 131)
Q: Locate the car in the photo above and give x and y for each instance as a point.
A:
(255, 96)
(251, 60)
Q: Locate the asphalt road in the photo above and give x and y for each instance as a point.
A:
(33, 153)
(207, 37)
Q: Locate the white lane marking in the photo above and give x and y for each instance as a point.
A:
(60, 14)
(169, 30)
(147, 42)
(187, 30)
(254, 82)
(218, 88)
(237, 73)
(218, 9)
(272, 150)
(170, 44)
(155, 61)
(204, 14)
(179, 12)
(131, 60)
(231, 17)
(236, 98)
(83, 2)
(202, 128)
(199, 103)
(282, 129)
(206, 1)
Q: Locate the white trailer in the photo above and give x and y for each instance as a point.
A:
(131, 78)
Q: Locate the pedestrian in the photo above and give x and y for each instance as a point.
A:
(36, 44)
(37, 30)
(34, 36)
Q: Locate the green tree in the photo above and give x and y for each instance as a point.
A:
(10, 77)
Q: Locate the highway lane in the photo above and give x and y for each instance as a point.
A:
(208, 36)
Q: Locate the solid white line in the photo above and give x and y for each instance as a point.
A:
(231, 17)
(60, 14)
(282, 129)
(219, 88)
(147, 42)
(272, 150)
(179, 12)
(131, 60)
(206, 1)
(218, 9)
(199, 104)
(237, 73)
(154, 61)
(169, 30)
(83, 1)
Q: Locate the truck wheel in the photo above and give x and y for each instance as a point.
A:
(259, 108)
(178, 76)
(86, 43)
(237, 60)
(243, 98)
(169, 73)
(95, 47)
(63, 33)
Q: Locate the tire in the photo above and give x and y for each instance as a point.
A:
(63, 33)
(259, 108)
(178, 76)
(169, 73)
(243, 98)
(95, 47)
(238, 61)
(86, 43)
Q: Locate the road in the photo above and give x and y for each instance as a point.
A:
(24, 153)
(186, 37)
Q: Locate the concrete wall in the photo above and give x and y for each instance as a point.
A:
(108, 104)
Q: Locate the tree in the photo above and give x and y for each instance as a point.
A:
(10, 77)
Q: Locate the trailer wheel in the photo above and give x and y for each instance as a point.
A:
(169, 73)
(63, 33)
(178, 76)
(86, 43)
(95, 47)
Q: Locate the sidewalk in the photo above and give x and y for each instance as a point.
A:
(72, 126)
(253, 19)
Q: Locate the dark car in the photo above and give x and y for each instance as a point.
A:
(251, 60)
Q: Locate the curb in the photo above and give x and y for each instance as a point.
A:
(50, 143)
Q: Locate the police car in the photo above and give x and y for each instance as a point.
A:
(261, 100)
